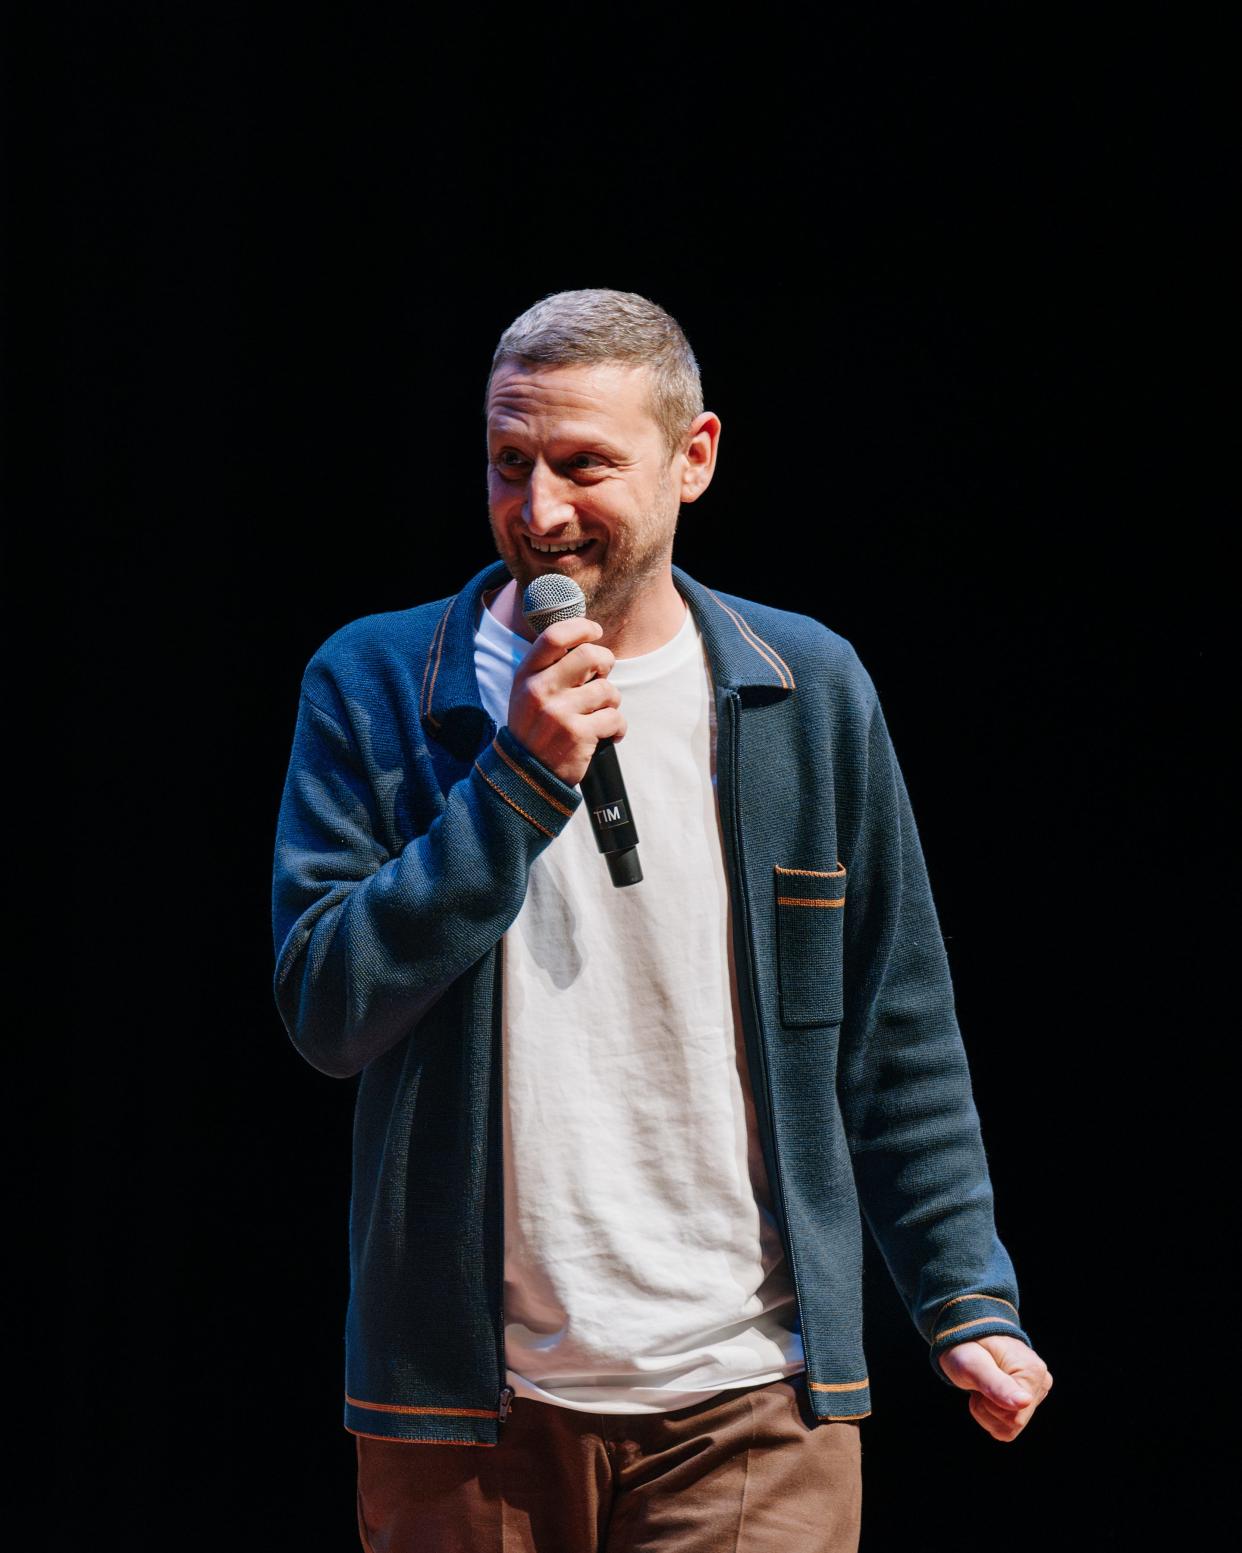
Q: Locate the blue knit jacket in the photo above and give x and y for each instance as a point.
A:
(407, 826)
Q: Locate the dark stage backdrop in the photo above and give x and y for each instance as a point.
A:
(921, 281)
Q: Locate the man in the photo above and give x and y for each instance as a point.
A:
(612, 1145)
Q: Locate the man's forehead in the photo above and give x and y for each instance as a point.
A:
(587, 391)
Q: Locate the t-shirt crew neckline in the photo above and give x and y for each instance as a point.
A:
(627, 671)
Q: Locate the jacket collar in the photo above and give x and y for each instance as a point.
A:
(452, 709)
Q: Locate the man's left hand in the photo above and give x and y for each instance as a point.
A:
(1006, 1379)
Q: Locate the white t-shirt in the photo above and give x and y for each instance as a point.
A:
(643, 1266)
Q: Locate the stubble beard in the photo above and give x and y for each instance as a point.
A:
(613, 589)
(611, 597)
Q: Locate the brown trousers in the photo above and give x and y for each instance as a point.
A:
(747, 1471)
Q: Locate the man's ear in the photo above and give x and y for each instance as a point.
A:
(698, 455)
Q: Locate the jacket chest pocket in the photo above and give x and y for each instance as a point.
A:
(810, 913)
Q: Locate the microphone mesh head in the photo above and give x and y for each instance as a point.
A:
(550, 598)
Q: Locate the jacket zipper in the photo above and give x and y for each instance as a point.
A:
(739, 873)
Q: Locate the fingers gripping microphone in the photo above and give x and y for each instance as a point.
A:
(555, 597)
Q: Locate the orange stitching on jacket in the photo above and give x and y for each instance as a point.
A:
(401, 1439)
(754, 640)
(436, 635)
(839, 1385)
(979, 1321)
(431, 692)
(758, 642)
(799, 900)
(547, 797)
(398, 1407)
(842, 1418)
(424, 702)
(510, 801)
(422, 693)
(431, 689)
(958, 1297)
(813, 873)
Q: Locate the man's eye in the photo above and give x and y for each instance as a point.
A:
(589, 456)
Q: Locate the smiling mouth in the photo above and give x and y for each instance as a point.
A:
(551, 551)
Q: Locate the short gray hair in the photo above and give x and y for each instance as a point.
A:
(567, 328)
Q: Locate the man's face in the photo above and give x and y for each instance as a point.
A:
(575, 458)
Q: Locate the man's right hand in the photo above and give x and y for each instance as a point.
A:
(563, 703)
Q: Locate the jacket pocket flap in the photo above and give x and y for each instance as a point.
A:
(810, 912)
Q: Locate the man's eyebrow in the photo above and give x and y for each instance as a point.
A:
(587, 443)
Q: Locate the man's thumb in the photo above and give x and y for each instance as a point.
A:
(975, 1369)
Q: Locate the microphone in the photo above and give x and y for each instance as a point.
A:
(555, 597)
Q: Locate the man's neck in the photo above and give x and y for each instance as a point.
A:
(655, 618)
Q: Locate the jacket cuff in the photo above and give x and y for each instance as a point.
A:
(969, 1316)
(526, 785)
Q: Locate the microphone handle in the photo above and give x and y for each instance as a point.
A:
(616, 835)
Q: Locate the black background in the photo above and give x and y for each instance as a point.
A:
(943, 276)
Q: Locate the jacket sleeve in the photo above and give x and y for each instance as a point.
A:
(906, 1097)
(367, 942)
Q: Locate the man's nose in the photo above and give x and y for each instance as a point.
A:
(546, 507)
